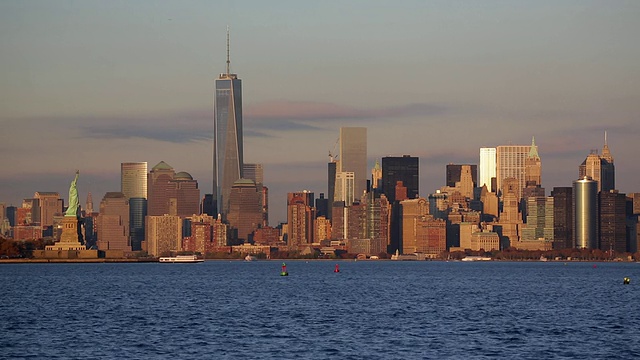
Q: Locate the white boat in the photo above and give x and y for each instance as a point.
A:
(250, 258)
(476, 258)
(181, 259)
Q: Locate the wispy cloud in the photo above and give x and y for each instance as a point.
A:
(307, 115)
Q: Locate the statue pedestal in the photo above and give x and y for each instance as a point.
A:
(69, 238)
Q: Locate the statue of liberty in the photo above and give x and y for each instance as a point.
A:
(72, 210)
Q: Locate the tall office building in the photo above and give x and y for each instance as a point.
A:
(404, 168)
(600, 168)
(50, 205)
(137, 214)
(511, 163)
(185, 195)
(158, 189)
(164, 235)
(255, 172)
(540, 223)
(332, 168)
(562, 217)
(113, 222)
(463, 178)
(533, 167)
(345, 188)
(133, 179)
(133, 184)
(300, 219)
(487, 167)
(245, 208)
(585, 213)
(376, 176)
(455, 172)
(228, 148)
(510, 217)
(613, 221)
(172, 193)
(378, 221)
(353, 156)
(411, 211)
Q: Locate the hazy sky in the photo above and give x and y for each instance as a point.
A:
(90, 84)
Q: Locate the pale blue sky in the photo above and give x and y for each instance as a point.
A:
(91, 84)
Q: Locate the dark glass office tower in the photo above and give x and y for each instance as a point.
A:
(612, 207)
(137, 214)
(403, 169)
(562, 217)
(227, 152)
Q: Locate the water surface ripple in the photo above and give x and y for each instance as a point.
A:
(373, 310)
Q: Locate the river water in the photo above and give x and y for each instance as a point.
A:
(370, 309)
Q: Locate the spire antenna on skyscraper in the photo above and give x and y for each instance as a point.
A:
(228, 55)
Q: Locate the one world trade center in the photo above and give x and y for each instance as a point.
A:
(227, 148)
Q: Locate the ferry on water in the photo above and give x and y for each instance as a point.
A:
(181, 259)
(476, 258)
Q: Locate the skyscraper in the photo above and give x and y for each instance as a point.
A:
(50, 205)
(353, 156)
(345, 188)
(462, 177)
(172, 193)
(113, 222)
(227, 149)
(487, 167)
(562, 217)
(376, 176)
(600, 168)
(533, 167)
(245, 208)
(585, 213)
(613, 221)
(511, 163)
(300, 216)
(164, 234)
(454, 174)
(133, 179)
(403, 168)
(331, 185)
(158, 186)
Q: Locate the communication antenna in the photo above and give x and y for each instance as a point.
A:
(228, 57)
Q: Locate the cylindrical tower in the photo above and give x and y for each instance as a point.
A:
(585, 213)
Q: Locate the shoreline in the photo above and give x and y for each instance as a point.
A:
(125, 260)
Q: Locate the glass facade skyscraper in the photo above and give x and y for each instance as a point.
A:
(487, 166)
(400, 168)
(585, 213)
(133, 179)
(227, 151)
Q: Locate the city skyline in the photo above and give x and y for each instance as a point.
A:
(112, 83)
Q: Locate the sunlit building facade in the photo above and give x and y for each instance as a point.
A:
(511, 163)
(353, 156)
(133, 179)
(487, 168)
(585, 213)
